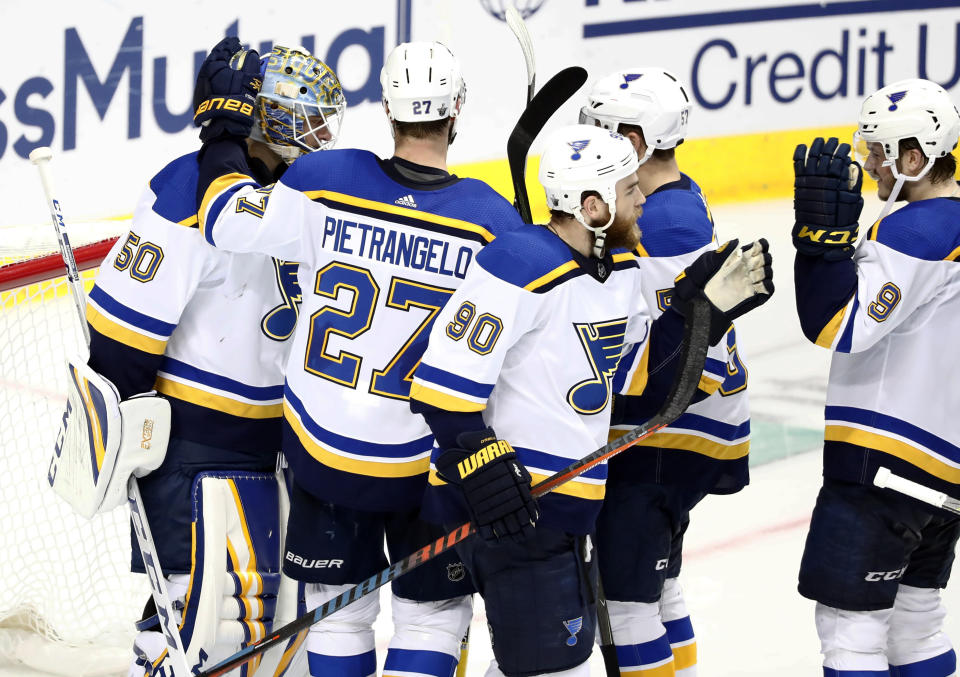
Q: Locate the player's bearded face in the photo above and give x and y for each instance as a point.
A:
(623, 232)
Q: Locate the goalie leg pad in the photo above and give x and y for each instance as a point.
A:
(102, 441)
(343, 643)
(427, 637)
(235, 576)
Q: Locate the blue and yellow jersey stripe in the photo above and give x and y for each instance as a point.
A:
(126, 325)
(185, 382)
(360, 457)
(449, 391)
(896, 437)
(699, 434)
(219, 193)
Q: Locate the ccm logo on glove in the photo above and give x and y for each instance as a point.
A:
(478, 459)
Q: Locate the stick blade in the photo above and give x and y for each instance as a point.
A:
(556, 92)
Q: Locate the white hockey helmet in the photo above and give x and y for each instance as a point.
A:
(912, 108)
(650, 98)
(580, 158)
(422, 82)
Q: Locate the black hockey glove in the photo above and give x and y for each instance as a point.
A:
(826, 200)
(227, 87)
(734, 281)
(495, 484)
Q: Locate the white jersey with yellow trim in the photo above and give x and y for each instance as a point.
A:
(533, 339)
(891, 391)
(676, 228)
(208, 329)
(380, 255)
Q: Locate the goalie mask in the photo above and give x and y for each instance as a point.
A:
(913, 108)
(650, 98)
(300, 106)
(421, 82)
(581, 158)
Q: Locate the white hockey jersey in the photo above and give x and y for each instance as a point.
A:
(891, 399)
(533, 340)
(707, 446)
(206, 328)
(379, 258)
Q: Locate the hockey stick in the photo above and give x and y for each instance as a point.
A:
(41, 158)
(519, 28)
(693, 353)
(608, 648)
(885, 479)
(541, 108)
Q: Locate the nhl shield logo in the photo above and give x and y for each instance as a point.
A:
(577, 147)
(895, 98)
(573, 626)
(456, 572)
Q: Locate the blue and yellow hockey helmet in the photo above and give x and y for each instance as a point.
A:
(301, 104)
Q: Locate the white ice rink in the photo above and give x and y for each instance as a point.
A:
(742, 552)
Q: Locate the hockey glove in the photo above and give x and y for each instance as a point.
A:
(735, 280)
(495, 485)
(826, 200)
(227, 87)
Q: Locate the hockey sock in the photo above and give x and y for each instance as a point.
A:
(643, 649)
(683, 643)
(342, 644)
(427, 639)
(916, 643)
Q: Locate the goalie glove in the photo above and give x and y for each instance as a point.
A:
(227, 87)
(735, 280)
(495, 484)
(102, 441)
(826, 200)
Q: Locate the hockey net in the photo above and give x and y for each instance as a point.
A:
(67, 599)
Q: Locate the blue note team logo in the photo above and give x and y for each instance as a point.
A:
(498, 8)
(895, 98)
(628, 78)
(573, 626)
(577, 147)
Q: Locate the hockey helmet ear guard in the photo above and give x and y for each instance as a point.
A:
(422, 82)
(650, 98)
(301, 104)
(580, 158)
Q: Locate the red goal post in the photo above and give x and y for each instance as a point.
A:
(67, 599)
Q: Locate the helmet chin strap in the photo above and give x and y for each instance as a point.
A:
(898, 186)
(599, 233)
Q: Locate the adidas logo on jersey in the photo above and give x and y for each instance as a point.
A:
(406, 201)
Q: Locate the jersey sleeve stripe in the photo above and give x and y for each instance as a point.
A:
(416, 217)
(954, 255)
(190, 222)
(443, 400)
(640, 251)
(130, 316)
(123, 334)
(452, 381)
(576, 488)
(722, 451)
(215, 199)
(352, 445)
(709, 384)
(638, 382)
(175, 367)
(846, 338)
(715, 369)
(417, 466)
(546, 279)
(209, 400)
(829, 333)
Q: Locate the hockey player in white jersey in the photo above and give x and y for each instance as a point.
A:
(526, 351)
(209, 331)
(889, 309)
(382, 245)
(702, 452)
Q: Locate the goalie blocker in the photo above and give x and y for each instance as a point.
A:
(103, 441)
